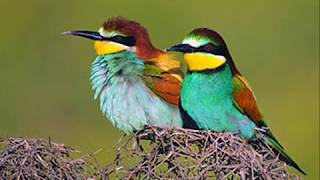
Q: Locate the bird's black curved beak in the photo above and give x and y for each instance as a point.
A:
(184, 48)
(86, 34)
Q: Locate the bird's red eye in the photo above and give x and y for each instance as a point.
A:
(117, 38)
(208, 47)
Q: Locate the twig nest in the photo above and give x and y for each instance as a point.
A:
(22, 158)
(174, 153)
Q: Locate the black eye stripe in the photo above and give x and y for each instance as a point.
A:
(128, 40)
(206, 46)
(211, 48)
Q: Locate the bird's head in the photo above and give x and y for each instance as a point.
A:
(203, 49)
(118, 34)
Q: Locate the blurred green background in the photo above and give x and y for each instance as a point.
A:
(44, 76)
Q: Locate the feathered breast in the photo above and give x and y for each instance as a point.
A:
(125, 100)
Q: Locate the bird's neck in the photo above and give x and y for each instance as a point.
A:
(216, 84)
(115, 70)
(145, 49)
(124, 64)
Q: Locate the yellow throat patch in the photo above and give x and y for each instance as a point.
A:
(203, 61)
(108, 47)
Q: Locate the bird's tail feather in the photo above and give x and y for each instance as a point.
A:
(268, 138)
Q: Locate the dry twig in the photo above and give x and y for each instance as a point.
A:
(167, 153)
(154, 153)
(40, 159)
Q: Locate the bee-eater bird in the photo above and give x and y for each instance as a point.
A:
(214, 94)
(137, 83)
